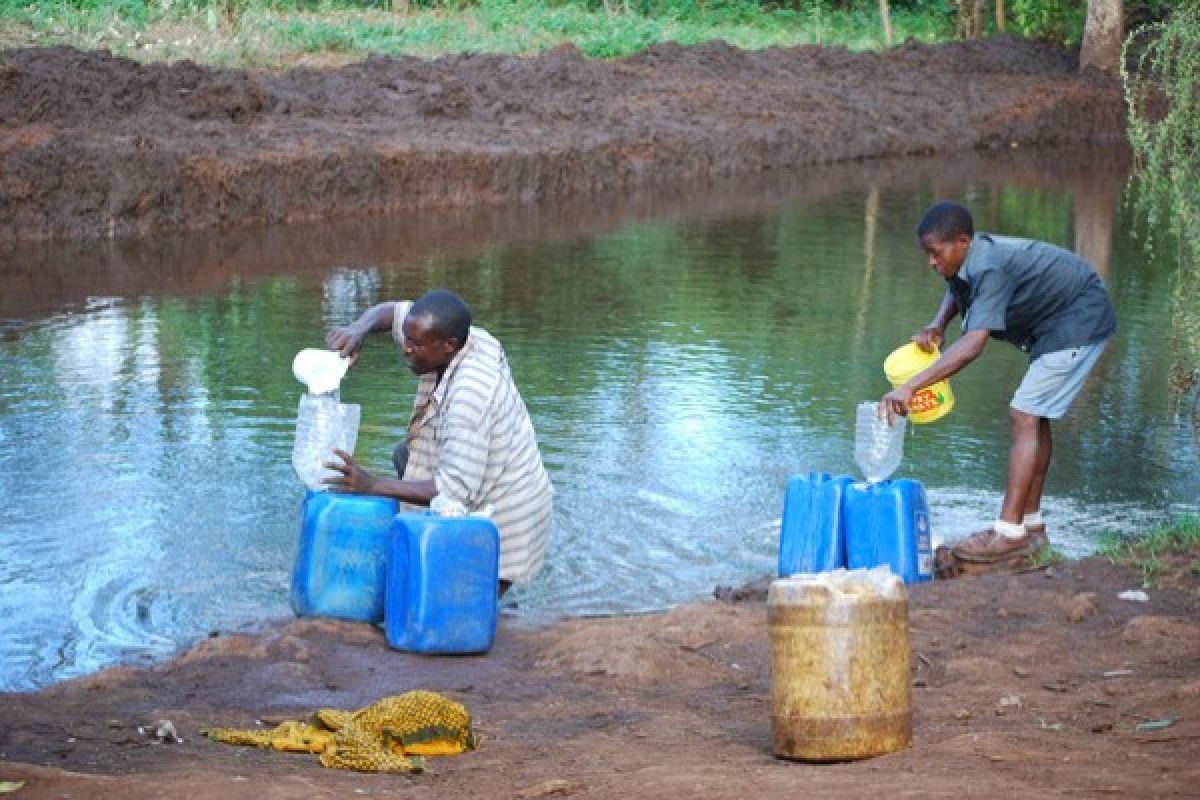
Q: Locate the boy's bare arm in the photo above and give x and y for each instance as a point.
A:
(957, 356)
(934, 334)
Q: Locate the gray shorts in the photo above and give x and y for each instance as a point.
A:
(1054, 380)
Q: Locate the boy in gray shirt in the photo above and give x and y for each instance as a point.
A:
(1049, 303)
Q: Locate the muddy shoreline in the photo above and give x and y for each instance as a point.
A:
(98, 146)
(1032, 684)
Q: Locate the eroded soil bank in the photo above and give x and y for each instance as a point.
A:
(1029, 685)
(37, 278)
(94, 145)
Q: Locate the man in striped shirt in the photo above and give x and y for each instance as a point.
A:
(470, 441)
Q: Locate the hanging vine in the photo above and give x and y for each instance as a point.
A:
(1162, 92)
(1164, 121)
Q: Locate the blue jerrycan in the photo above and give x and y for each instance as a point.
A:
(441, 583)
(811, 537)
(887, 523)
(340, 561)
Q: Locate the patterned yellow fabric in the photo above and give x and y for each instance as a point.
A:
(390, 735)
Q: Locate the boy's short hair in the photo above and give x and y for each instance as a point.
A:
(946, 221)
(449, 314)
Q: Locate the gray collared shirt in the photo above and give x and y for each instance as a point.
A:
(1040, 297)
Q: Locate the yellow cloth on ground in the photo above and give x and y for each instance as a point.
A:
(390, 735)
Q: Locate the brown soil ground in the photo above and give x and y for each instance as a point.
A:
(94, 145)
(666, 705)
(663, 705)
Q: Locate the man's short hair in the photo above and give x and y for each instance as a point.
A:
(946, 221)
(449, 314)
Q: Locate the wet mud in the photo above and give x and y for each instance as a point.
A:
(95, 145)
(1041, 684)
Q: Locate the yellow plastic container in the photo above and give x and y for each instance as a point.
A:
(931, 403)
(840, 681)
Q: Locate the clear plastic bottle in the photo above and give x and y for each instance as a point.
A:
(323, 422)
(878, 447)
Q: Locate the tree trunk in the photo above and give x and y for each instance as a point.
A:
(1103, 34)
(885, 14)
(1000, 15)
(969, 18)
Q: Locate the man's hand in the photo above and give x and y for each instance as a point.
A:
(347, 341)
(929, 337)
(353, 478)
(895, 402)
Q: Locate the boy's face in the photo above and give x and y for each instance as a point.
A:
(945, 255)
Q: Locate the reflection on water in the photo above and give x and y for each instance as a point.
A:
(682, 356)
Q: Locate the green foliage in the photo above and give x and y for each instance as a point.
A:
(319, 36)
(1047, 557)
(1057, 20)
(1164, 132)
(136, 12)
(264, 32)
(1181, 536)
(1164, 123)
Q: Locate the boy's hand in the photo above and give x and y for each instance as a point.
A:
(895, 402)
(929, 337)
(353, 478)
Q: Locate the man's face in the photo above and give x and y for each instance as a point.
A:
(945, 255)
(424, 350)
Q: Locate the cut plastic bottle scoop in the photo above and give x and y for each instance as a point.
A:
(320, 370)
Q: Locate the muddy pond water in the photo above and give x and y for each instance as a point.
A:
(683, 352)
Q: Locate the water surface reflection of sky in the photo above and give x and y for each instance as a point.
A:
(682, 356)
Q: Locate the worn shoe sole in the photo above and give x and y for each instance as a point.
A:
(1037, 541)
(1028, 549)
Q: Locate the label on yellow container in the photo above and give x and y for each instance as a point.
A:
(930, 403)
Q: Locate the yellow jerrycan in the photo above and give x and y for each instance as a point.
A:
(931, 403)
(840, 680)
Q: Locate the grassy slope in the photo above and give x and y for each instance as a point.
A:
(259, 35)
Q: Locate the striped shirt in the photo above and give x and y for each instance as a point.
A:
(471, 434)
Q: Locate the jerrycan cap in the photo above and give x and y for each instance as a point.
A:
(320, 370)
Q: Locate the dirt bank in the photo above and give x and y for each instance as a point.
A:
(667, 705)
(97, 145)
(36, 278)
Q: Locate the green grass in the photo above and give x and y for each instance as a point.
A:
(266, 33)
(1180, 537)
(1048, 556)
